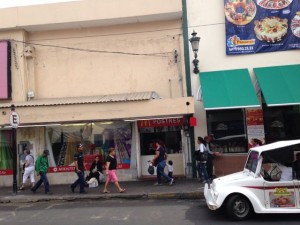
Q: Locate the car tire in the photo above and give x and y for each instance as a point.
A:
(238, 207)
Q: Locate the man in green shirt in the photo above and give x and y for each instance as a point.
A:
(41, 168)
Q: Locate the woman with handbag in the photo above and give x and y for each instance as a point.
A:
(201, 158)
(160, 160)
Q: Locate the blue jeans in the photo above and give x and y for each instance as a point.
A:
(79, 181)
(160, 172)
(202, 171)
(44, 180)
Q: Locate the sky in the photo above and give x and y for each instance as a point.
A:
(14, 3)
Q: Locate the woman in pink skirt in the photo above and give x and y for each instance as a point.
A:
(111, 166)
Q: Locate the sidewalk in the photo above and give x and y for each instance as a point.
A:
(181, 189)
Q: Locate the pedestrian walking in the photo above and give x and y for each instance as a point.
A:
(170, 168)
(79, 170)
(41, 168)
(160, 160)
(210, 158)
(111, 167)
(201, 160)
(28, 170)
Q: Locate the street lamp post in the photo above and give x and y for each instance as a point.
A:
(194, 40)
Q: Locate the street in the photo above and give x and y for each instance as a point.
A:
(133, 212)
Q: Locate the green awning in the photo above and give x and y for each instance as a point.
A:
(228, 89)
(279, 84)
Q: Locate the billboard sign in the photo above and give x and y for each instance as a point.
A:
(5, 74)
(256, 26)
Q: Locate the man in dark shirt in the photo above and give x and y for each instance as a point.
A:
(296, 167)
(79, 170)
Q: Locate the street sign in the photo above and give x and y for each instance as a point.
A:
(14, 119)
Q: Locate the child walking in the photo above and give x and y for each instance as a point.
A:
(170, 168)
(111, 176)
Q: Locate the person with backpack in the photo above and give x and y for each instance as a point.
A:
(41, 168)
(28, 169)
(201, 155)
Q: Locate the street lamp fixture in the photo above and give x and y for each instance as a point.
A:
(194, 40)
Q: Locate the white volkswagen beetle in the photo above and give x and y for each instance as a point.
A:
(267, 184)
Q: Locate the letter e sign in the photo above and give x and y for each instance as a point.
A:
(14, 119)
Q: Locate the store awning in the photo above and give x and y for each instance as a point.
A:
(125, 97)
(228, 89)
(279, 84)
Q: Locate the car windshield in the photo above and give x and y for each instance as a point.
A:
(252, 161)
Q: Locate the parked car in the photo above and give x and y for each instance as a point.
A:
(267, 184)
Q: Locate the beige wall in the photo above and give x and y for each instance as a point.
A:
(79, 14)
(61, 72)
(100, 57)
(212, 53)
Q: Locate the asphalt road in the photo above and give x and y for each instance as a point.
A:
(131, 212)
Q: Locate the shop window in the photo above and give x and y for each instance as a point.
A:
(169, 135)
(281, 122)
(6, 158)
(97, 138)
(228, 129)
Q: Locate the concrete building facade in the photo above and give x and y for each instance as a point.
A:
(212, 60)
(92, 72)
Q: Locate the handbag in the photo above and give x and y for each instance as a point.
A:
(151, 169)
(203, 156)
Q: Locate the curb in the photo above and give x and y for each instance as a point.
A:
(146, 196)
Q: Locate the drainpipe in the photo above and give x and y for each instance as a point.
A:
(191, 161)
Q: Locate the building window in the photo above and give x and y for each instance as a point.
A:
(6, 159)
(228, 128)
(96, 138)
(281, 123)
(170, 136)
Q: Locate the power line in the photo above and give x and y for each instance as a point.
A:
(162, 54)
(129, 33)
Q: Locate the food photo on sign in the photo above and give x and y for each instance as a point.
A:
(261, 26)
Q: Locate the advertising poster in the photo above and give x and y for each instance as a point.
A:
(6, 158)
(282, 197)
(255, 125)
(256, 26)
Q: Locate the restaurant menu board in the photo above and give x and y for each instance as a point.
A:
(255, 26)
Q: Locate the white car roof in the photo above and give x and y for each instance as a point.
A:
(275, 145)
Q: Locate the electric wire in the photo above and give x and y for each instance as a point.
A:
(161, 54)
(129, 33)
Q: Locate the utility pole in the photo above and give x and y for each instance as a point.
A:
(14, 120)
(191, 133)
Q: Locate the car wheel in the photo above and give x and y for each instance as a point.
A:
(238, 207)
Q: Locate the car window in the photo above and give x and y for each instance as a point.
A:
(252, 161)
(270, 172)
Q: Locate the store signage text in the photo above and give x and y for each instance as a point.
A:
(160, 122)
